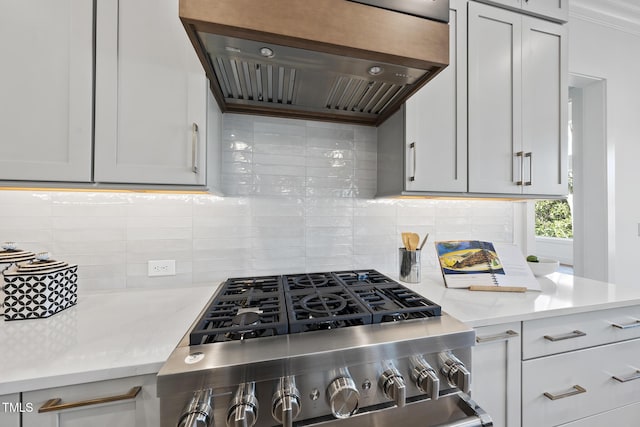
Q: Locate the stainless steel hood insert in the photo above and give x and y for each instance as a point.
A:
(334, 60)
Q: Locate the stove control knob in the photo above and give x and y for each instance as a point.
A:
(243, 411)
(286, 402)
(393, 385)
(343, 397)
(425, 377)
(198, 412)
(455, 371)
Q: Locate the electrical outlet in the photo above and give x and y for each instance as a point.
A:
(164, 267)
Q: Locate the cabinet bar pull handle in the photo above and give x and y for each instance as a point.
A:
(521, 155)
(503, 336)
(412, 146)
(633, 324)
(634, 376)
(576, 389)
(194, 147)
(55, 405)
(574, 334)
(530, 156)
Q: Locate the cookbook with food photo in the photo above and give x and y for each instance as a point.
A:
(484, 266)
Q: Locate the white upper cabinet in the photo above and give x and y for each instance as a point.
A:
(46, 90)
(151, 96)
(545, 106)
(557, 10)
(494, 99)
(436, 120)
(518, 102)
(427, 139)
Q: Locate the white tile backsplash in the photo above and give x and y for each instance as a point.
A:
(299, 197)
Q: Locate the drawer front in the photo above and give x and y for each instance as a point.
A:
(625, 416)
(565, 387)
(566, 333)
(97, 404)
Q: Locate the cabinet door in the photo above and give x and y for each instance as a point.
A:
(545, 106)
(10, 409)
(496, 373)
(555, 9)
(140, 411)
(494, 99)
(46, 90)
(436, 119)
(150, 92)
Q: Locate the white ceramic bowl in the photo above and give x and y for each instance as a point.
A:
(544, 266)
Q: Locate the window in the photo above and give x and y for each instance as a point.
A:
(553, 217)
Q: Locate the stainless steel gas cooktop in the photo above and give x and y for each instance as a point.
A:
(334, 348)
(247, 308)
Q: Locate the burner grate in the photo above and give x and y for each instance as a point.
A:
(327, 308)
(244, 308)
(242, 285)
(391, 303)
(363, 277)
(310, 281)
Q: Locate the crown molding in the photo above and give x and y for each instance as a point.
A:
(623, 15)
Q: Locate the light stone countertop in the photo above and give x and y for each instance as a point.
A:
(131, 332)
(105, 335)
(561, 294)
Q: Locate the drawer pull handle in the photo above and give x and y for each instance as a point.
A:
(633, 324)
(576, 389)
(503, 336)
(55, 405)
(634, 376)
(574, 334)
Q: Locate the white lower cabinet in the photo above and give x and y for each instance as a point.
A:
(10, 408)
(582, 369)
(496, 366)
(569, 386)
(99, 404)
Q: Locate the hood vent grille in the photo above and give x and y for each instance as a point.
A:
(250, 81)
(363, 96)
(332, 60)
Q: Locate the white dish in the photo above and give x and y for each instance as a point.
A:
(544, 266)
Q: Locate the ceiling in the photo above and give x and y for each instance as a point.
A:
(624, 14)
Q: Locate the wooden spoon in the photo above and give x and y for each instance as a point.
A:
(405, 240)
(413, 241)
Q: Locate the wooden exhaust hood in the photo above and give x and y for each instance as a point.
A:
(332, 60)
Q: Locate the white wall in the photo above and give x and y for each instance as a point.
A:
(301, 200)
(612, 54)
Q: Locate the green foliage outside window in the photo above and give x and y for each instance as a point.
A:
(553, 219)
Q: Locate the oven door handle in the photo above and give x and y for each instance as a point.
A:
(472, 421)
